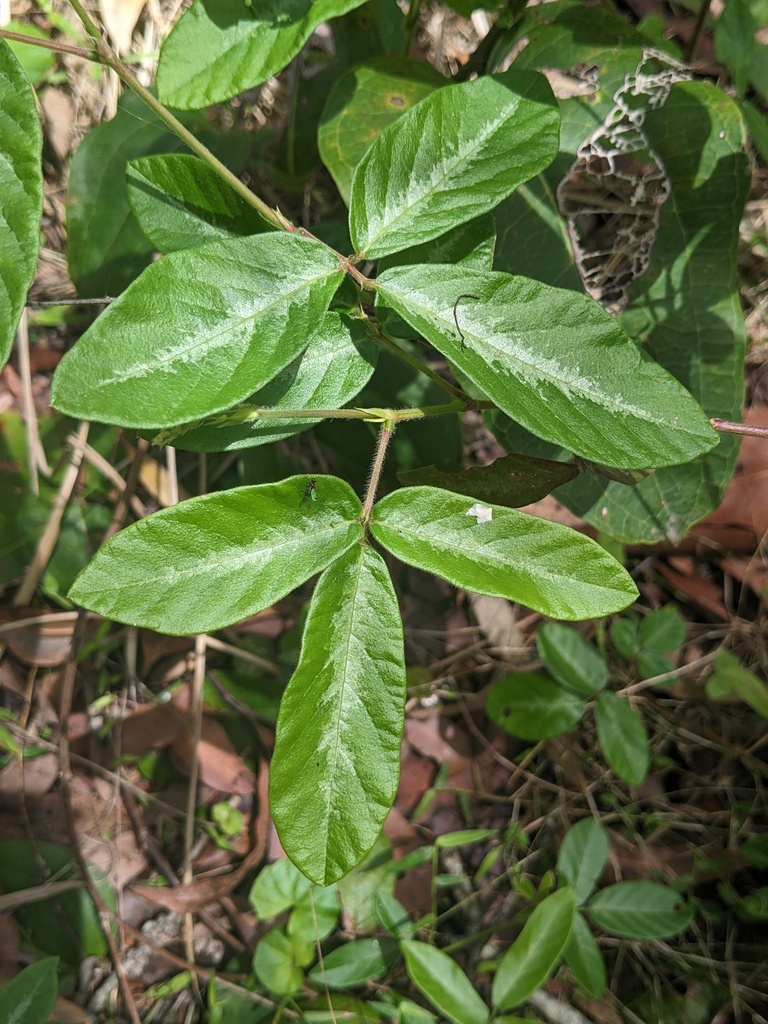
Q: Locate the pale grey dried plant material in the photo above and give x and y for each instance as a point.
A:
(613, 193)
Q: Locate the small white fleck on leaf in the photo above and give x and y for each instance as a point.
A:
(482, 513)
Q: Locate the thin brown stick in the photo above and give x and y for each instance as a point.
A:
(196, 706)
(105, 916)
(50, 535)
(749, 429)
(131, 482)
(35, 451)
(47, 44)
(107, 470)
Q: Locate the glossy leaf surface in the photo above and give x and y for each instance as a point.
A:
(531, 958)
(555, 361)
(440, 980)
(180, 202)
(199, 331)
(334, 368)
(21, 193)
(451, 158)
(211, 561)
(622, 737)
(219, 48)
(640, 910)
(336, 762)
(539, 564)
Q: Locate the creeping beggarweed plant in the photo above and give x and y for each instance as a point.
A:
(251, 328)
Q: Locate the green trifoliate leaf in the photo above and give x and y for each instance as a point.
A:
(454, 156)
(181, 202)
(509, 554)
(211, 561)
(336, 764)
(199, 331)
(21, 193)
(555, 361)
(218, 49)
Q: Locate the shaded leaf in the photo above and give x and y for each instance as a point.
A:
(274, 963)
(513, 480)
(180, 202)
(336, 762)
(21, 193)
(730, 677)
(29, 997)
(451, 158)
(199, 331)
(583, 956)
(106, 248)
(582, 856)
(571, 659)
(537, 563)
(533, 706)
(354, 963)
(640, 910)
(362, 103)
(662, 630)
(622, 737)
(214, 560)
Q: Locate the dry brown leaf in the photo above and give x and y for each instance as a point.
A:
(203, 891)
(684, 575)
(745, 505)
(219, 766)
(32, 776)
(151, 727)
(59, 112)
(43, 644)
(120, 17)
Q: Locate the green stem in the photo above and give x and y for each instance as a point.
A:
(412, 360)
(108, 57)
